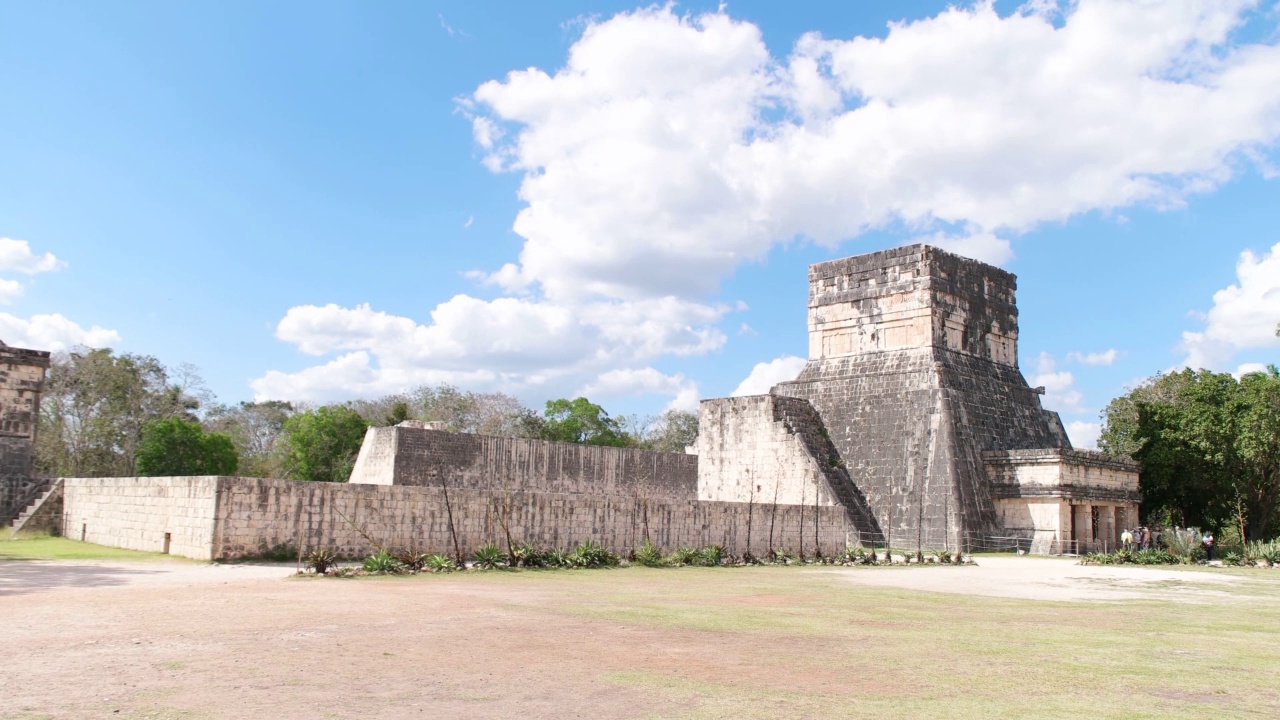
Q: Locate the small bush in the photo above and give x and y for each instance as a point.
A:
(711, 556)
(320, 561)
(591, 555)
(784, 557)
(648, 555)
(439, 563)
(1268, 551)
(489, 557)
(383, 562)
(683, 556)
(556, 558)
(412, 561)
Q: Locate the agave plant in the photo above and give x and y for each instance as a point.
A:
(383, 562)
(592, 555)
(710, 555)
(320, 561)
(648, 555)
(412, 561)
(489, 557)
(439, 563)
(683, 556)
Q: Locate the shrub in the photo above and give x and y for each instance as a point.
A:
(711, 555)
(488, 557)
(590, 555)
(784, 556)
(556, 558)
(320, 561)
(858, 555)
(944, 557)
(412, 561)
(1258, 550)
(648, 555)
(683, 556)
(527, 555)
(439, 563)
(383, 562)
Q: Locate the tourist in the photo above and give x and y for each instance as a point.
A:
(1207, 542)
(1126, 539)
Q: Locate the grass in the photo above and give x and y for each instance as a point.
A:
(47, 547)
(834, 650)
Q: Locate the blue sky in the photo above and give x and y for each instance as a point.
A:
(326, 200)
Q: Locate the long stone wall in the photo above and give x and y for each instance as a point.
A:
(257, 516)
(143, 513)
(435, 458)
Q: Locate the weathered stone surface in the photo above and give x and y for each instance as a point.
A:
(21, 383)
(406, 455)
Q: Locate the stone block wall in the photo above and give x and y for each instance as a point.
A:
(138, 513)
(255, 516)
(17, 491)
(21, 383)
(431, 458)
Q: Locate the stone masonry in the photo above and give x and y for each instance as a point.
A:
(913, 376)
(21, 383)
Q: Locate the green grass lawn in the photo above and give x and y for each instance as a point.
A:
(47, 547)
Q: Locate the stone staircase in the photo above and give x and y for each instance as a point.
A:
(801, 420)
(44, 513)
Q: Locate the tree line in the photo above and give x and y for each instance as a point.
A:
(105, 414)
(1209, 446)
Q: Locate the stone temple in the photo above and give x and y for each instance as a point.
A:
(925, 427)
(911, 424)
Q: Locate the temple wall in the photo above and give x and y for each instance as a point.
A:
(434, 458)
(256, 515)
(137, 513)
(745, 455)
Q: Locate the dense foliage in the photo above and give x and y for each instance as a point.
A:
(174, 446)
(321, 445)
(1209, 445)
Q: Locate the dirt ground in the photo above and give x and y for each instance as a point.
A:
(169, 640)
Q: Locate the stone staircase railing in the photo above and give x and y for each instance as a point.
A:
(800, 419)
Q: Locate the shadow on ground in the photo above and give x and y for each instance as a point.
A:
(27, 576)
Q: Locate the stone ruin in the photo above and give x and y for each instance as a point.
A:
(910, 424)
(922, 424)
(21, 384)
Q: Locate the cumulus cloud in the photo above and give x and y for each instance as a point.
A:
(53, 332)
(669, 149)
(1060, 391)
(680, 142)
(512, 344)
(1084, 435)
(10, 290)
(767, 374)
(1105, 357)
(16, 256)
(640, 381)
(1244, 314)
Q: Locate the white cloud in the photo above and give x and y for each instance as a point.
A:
(644, 381)
(767, 374)
(1105, 357)
(510, 344)
(10, 290)
(1246, 368)
(669, 149)
(52, 332)
(16, 256)
(679, 142)
(1060, 393)
(1084, 435)
(1244, 314)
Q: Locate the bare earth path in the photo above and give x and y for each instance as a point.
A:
(169, 640)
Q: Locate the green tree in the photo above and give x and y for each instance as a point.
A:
(582, 421)
(173, 446)
(1208, 445)
(321, 445)
(254, 429)
(95, 406)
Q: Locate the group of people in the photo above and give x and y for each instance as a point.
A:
(1141, 538)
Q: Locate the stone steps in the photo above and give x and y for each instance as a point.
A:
(801, 420)
(44, 513)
